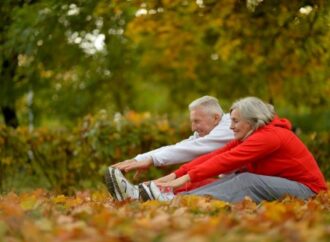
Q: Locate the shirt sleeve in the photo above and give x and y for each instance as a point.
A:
(150, 154)
(189, 149)
(254, 148)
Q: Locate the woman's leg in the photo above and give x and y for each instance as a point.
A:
(257, 187)
(193, 185)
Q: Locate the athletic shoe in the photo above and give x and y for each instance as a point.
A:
(151, 191)
(144, 190)
(119, 187)
(109, 181)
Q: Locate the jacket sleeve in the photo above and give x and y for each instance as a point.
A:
(189, 149)
(199, 160)
(254, 148)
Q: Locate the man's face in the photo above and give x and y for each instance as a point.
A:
(203, 122)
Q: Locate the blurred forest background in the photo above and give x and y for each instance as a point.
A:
(86, 83)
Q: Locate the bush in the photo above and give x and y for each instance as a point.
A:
(65, 160)
(318, 144)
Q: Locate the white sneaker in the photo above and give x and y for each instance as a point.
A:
(151, 191)
(145, 193)
(119, 187)
(109, 181)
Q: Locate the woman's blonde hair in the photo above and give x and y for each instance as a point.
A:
(255, 111)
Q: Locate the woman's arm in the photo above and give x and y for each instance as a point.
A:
(176, 182)
(168, 178)
(255, 148)
(201, 159)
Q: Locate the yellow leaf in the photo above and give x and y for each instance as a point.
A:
(28, 203)
(219, 204)
(274, 211)
(73, 202)
(99, 196)
(163, 125)
(59, 199)
(152, 204)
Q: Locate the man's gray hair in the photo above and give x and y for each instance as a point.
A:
(255, 111)
(208, 103)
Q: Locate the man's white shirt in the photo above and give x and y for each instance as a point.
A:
(188, 149)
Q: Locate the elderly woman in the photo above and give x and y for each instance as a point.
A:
(266, 159)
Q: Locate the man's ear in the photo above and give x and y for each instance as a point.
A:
(217, 117)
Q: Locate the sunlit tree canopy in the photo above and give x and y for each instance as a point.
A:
(74, 58)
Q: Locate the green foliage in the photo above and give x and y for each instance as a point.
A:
(180, 50)
(67, 159)
(229, 51)
(319, 145)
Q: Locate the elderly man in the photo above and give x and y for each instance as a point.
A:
(211, 129)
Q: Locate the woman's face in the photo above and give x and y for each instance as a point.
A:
(240, 126)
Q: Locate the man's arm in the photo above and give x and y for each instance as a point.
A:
(142, 161)
(132, 164)
(192, 148)
(183, 151)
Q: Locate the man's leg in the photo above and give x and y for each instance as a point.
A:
(257, 187)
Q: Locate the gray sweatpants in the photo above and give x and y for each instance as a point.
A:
(235, 187)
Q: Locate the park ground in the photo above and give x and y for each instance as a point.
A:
(93, 216)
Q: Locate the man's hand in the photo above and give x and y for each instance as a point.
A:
(175, 183)
(122, 165)
(132, 164)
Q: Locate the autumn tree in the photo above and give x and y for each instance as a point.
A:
(81, 56)
(274, 49)
(73, 56)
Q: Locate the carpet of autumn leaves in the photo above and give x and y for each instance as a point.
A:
(94, 216)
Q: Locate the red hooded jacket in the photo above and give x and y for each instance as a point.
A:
(272, 150)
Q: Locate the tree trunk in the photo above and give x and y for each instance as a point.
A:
(9, 115)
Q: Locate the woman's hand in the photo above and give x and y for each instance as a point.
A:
(175, 183)
(167, 178)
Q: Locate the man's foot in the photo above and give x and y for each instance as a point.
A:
(151, 191)
(109, 181)
(119, 187)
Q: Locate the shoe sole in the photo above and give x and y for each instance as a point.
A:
(112, 184)
(144, 196)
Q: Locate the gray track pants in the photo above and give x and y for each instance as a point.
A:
(235, 187)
